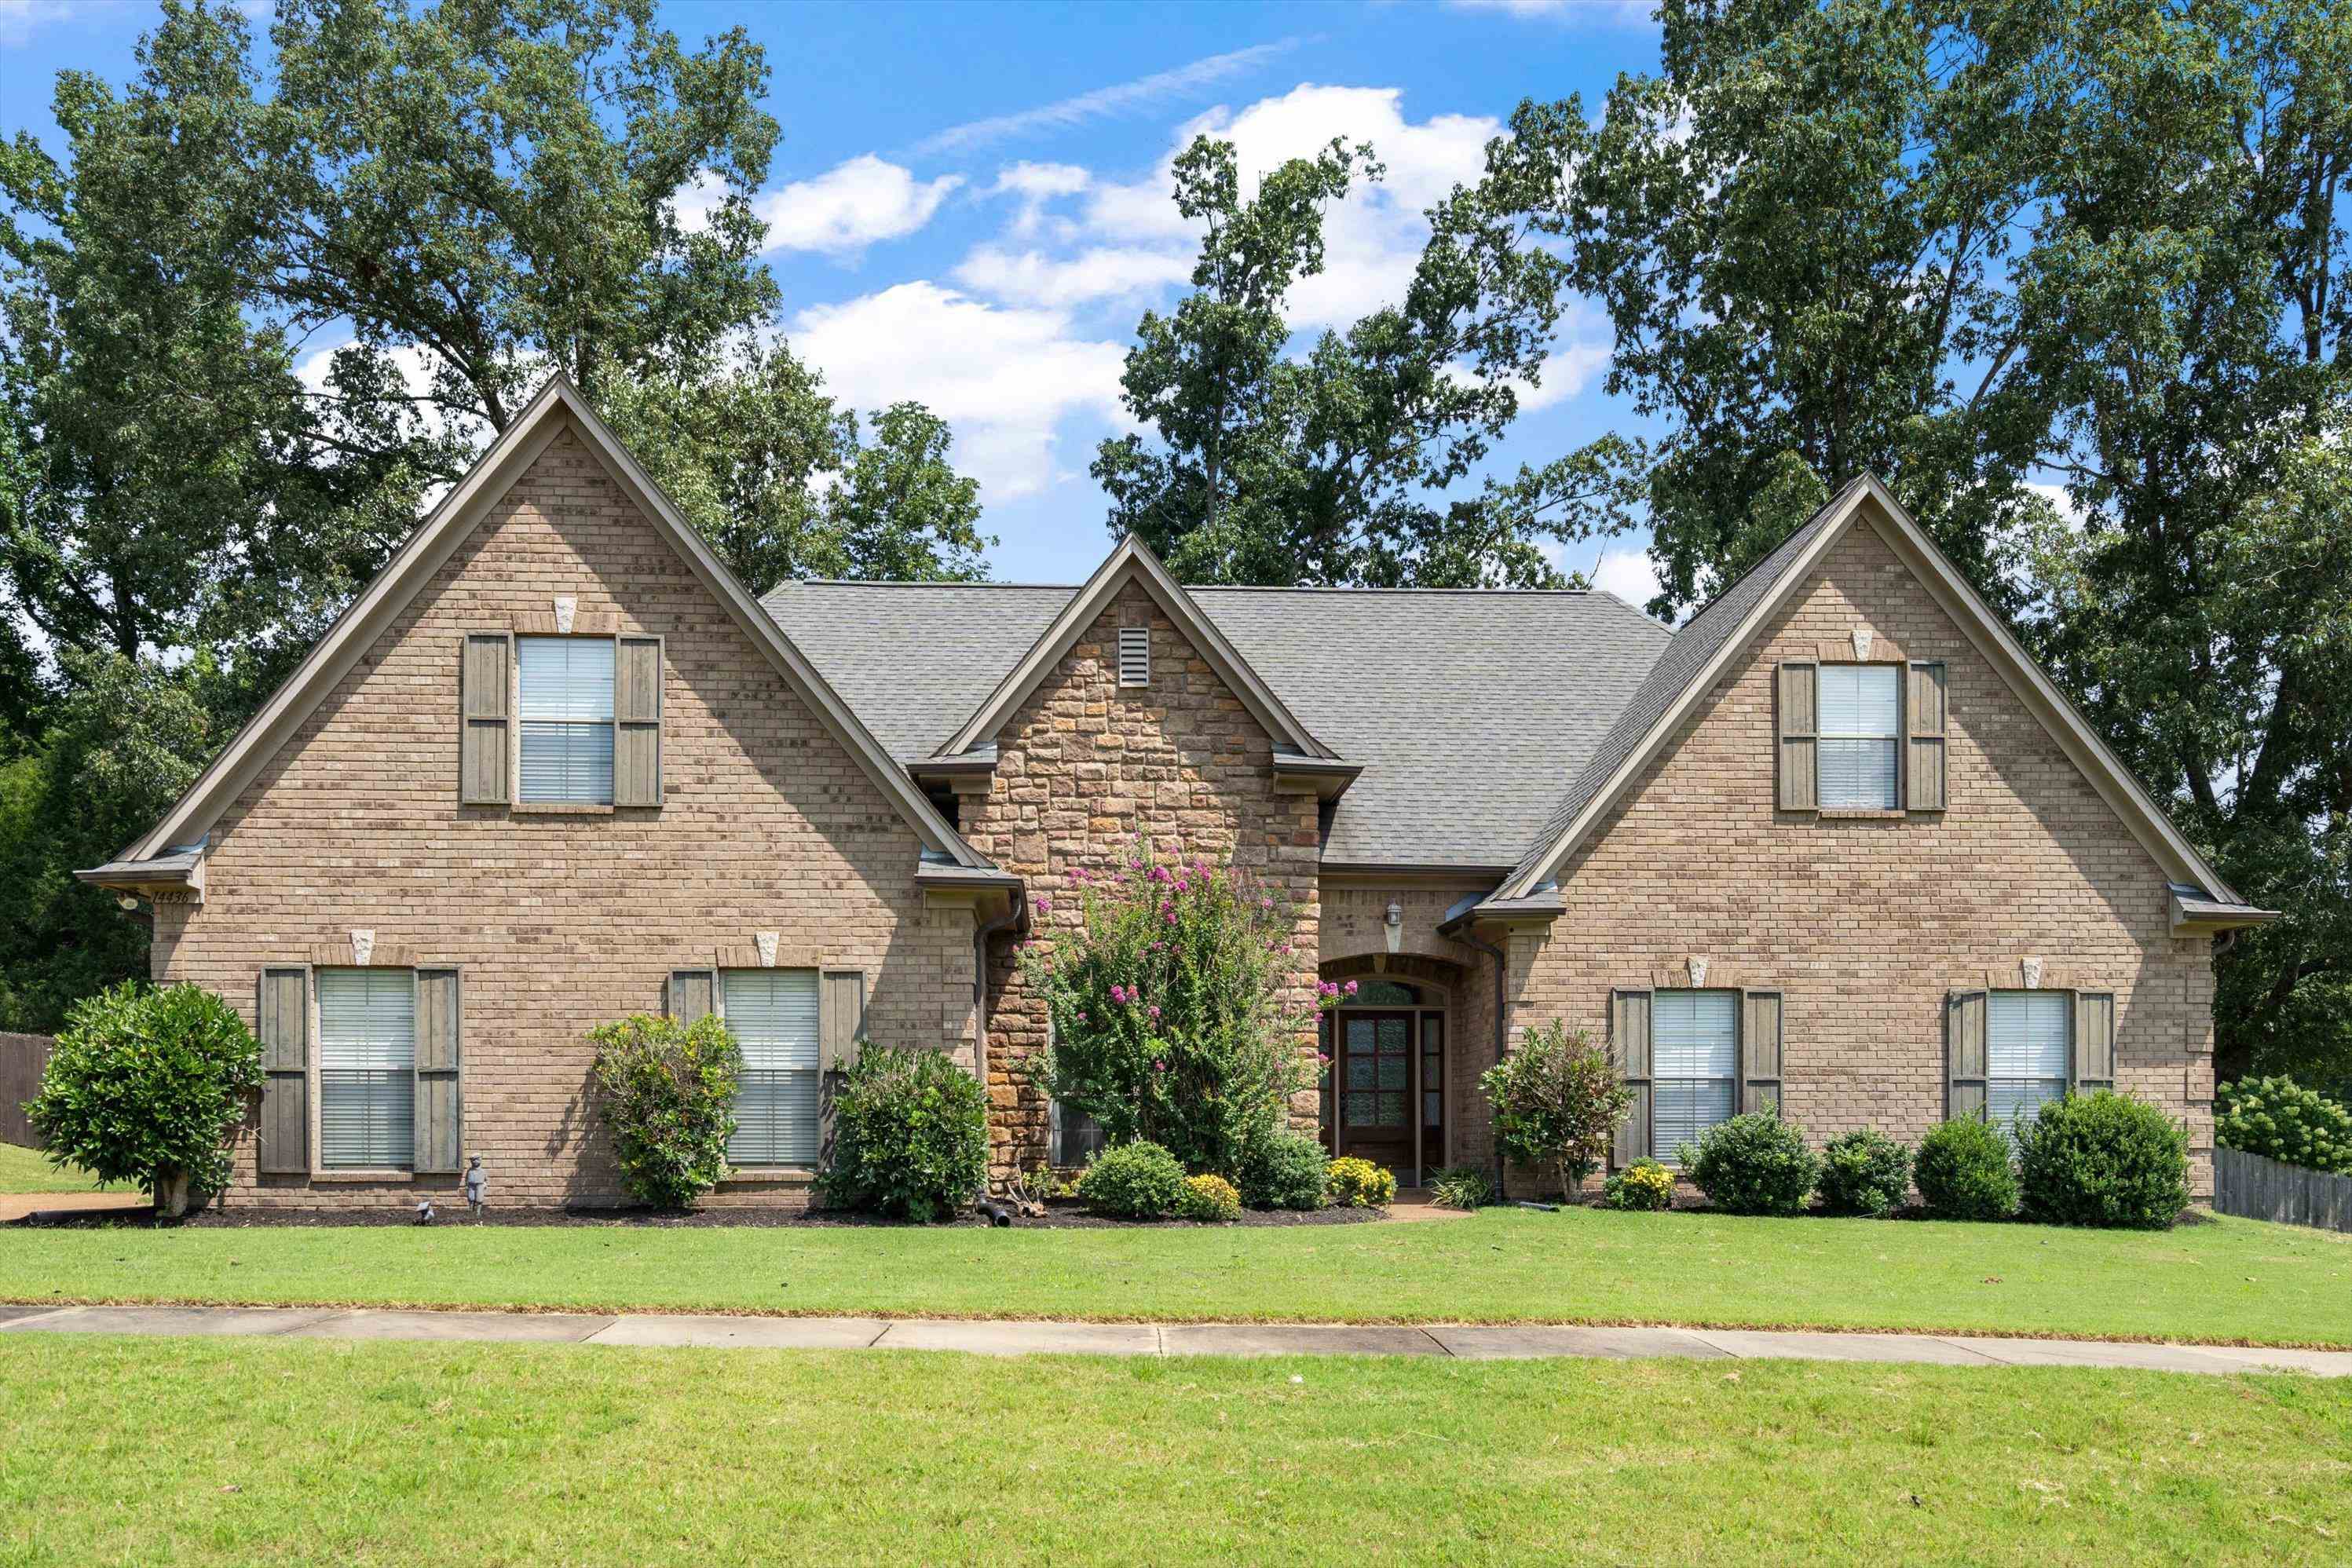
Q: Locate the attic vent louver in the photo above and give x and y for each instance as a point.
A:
(1135, 655)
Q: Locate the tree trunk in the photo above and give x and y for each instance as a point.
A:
(171, 1192)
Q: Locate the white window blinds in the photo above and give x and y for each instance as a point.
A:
(567, 719)
(773, 1014)
(2029, 1039)
(1694, 1056)
(367, 1062)
(1861, 711)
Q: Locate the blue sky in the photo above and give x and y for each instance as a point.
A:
(969, 206)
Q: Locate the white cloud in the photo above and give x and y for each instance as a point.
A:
(1033, 185)
(1630, 574)
(1004, 378)
(1030, 277)
(1122, 98)
(19, 19)
(1372, 239)
(842, 211)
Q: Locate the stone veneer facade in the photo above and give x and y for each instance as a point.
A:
(560, 920)
(1865, 923)
(1086, 768)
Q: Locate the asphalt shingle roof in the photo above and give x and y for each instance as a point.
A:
(1698, 641)
(1469, 711)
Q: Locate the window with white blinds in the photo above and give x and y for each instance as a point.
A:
(566, 709)
(2028, 1043)
(367, 1069)
(1694, 1057)
(773, 1014)
(1861, 713)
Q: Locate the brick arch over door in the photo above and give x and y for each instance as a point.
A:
(1442, 972)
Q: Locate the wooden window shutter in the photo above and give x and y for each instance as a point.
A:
(1760, 1051)
(693, 994)
(1799, 721)
(1964, 1055)
(282, 1020)
(841, 1018)
(1629, 1036)
(1924, 706)
(2095, 1041)
(485, 743)
(439, 1128)
(636, 720)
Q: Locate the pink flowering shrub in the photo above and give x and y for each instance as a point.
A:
(1169, 1019)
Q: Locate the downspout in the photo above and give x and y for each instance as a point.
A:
(1502, 1028)
(1459, 929)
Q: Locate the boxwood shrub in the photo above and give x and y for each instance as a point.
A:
(1864, 1173)
(909, 1135)
(1963, 1171)
(1133, 1181)
(1755, 1163)
(1282, 1169)
(2103, 1159)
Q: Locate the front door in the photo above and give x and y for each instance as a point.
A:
(1375, 1090)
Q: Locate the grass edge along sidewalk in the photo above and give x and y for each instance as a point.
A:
(2227, 1281)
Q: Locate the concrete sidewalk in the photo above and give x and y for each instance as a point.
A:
(1022, 1338)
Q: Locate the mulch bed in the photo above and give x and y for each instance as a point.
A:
(1058, 1216)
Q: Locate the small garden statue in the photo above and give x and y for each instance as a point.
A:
(477, 1183)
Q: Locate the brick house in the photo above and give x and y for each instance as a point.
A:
(1835, 844)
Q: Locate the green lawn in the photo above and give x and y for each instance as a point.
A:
(28, 1170)
(2234, 1279)
(126, 1451)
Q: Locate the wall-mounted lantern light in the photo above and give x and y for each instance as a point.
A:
(1394, 926)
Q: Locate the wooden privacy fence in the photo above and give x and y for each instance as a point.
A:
(2262, 1188)
(22, 1057)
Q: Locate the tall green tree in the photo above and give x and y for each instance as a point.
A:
(1348, 464)
(785, 483)
(1974, 248)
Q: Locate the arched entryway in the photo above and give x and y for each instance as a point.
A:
(1385, 1091)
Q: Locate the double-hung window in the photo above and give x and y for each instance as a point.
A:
(1693, 1064)
(1861, 718)
(773, 1016)
(566, 707)
(2029, 1046)
(367, 1069)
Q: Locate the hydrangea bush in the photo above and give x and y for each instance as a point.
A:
(2282, 1120)
(1170, 1019)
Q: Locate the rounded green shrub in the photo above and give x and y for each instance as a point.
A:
(1133, 1181)
(1360, 1184)
(1210, 1199)
(2103, 1159)
(1755, 1163)
(148, 1087)
(1282, 1169)
(1864, 1173)
(2281, 1120)
(665, 1090)
(909, 1135)
(1644, 1184)
(1963, 1171)
(1462, 1186)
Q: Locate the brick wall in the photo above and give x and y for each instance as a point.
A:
(1866, 923)
(1083, 767)
(563, 921)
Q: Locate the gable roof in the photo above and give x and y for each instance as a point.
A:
(1467, 709)
(1133, 561)
(1709, 643)
(557, 407)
